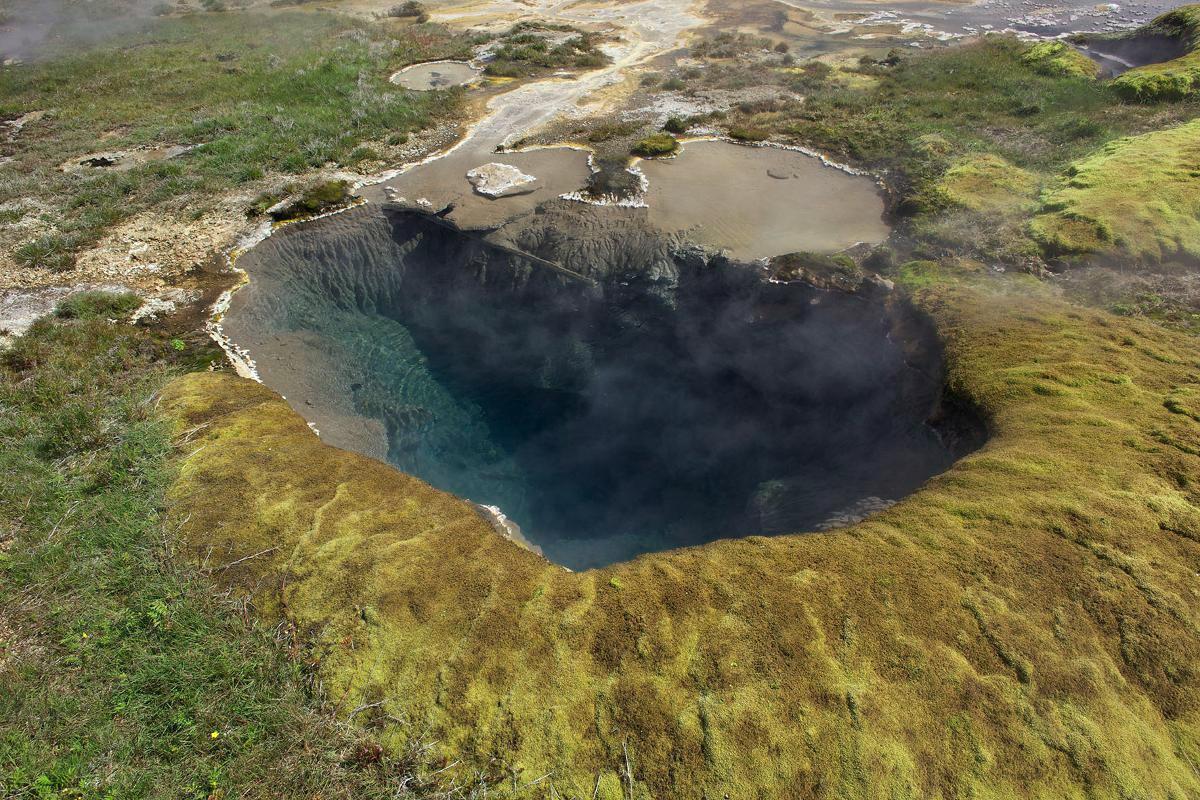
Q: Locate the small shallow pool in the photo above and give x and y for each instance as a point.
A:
(436, 75)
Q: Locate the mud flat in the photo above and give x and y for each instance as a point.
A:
(436, 75)
(757, 202)
(443, 183)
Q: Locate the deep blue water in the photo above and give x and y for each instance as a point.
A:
(609, 423)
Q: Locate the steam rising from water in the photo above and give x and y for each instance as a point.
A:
(606, 423)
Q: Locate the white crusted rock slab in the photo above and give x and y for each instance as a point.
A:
(501, 180)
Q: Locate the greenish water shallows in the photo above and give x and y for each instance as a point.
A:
(605, 423)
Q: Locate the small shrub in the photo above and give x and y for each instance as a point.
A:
(675, 125)
(659, 144)
(362, 153)
(674, 85)
(411, 8)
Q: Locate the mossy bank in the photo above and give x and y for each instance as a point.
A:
(1024, 626)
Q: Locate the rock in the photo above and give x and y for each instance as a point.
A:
(397, 202)
(879, 284)
(501, 180)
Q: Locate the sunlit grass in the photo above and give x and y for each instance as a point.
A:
(252, 93)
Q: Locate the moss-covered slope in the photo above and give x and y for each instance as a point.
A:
(1177, 78)
(1059, 58)
(1136, 197)
(1025, 626)
(988, 184)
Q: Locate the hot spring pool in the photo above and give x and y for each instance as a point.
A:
(654, 410)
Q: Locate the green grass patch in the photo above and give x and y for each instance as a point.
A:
(530, 48)
(97, 305)
(253, 94)
(987, 97)
(744, 134)
(122, 675)
(656, 146)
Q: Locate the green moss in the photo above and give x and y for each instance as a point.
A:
(1021, 627)
(1170, 80)
(987, 183)
(1059, 58)
(656, 146)
(1137, 197)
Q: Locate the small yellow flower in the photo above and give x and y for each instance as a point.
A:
(85, 636)
(214, 735)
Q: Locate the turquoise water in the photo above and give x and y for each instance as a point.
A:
(607, 422)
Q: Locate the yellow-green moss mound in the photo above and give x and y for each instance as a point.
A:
(1024, 626)
(1137, 197)
(1170, 80)
(987, 183)
(1060, 59)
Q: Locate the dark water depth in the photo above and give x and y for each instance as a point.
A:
(606, 422)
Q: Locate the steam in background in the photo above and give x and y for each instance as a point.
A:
(33, 28)
(604, 423)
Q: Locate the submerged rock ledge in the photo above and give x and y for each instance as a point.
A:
(1021, 626)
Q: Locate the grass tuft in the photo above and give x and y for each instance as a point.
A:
(98, 305)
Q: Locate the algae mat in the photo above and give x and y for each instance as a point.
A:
(1024, 626)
